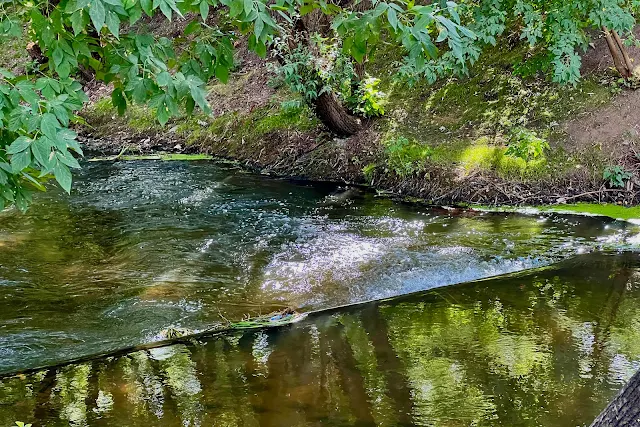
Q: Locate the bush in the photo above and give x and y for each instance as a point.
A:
(526, 145)
(616, 176)
(405, 157)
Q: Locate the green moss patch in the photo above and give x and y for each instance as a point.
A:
(606, 209)
(163, 157)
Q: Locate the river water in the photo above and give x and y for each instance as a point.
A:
(142, 246)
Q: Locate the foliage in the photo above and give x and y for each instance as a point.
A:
(405, 157)
(616, 176)
(21, 424)
(525, 144)
(562, 27)
(368, 171)
(370, 99)
(35, 143)
(108, 38)
(331, 71)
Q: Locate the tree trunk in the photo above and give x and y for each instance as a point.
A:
(332, 113)
(618, 53)
(623, 49)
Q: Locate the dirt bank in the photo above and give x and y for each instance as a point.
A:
(444, 143)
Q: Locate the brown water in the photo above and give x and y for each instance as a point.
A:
(547, 348)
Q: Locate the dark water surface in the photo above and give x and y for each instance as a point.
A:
(546, 348)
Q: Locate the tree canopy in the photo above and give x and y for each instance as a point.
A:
(113, 41)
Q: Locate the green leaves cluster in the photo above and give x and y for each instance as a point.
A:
(563, 28)
(616, 176)
(35, 142)
(526, 144)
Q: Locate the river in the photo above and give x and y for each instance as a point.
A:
(142, 246)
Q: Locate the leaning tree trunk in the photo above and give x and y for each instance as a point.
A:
(328, 107)
(332, 113)
(619, 53)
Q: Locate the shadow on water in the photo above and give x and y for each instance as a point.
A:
(548, 348)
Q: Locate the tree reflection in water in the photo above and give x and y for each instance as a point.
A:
(547, 348)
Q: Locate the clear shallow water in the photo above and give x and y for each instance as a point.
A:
(141, 246)
(547, 348)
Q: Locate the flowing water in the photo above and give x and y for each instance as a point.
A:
(547, 348)
(142, 246)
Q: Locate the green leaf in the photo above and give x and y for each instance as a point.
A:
(165, 9)
(63, 176)
(41, 149)
(204, 9)
(20, 144)
(68, 159)
(7, 193)
(22, 203)
(97, 14)
(147, 6)
(222, 72)
(20, 160)
(49, 126)
(258, 27)
(393, 18)
(6, 167)
(113, 24)
(77, 22)
(162, 115)
(119, 101)
(58, 56)
(163, 79)
(192, 28)
(248, 6)
(33, 181)
(190, 105)
(7, 74)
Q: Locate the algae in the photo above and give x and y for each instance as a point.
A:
(609, 210)
(163, 157)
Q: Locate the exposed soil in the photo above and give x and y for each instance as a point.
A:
(248, 89)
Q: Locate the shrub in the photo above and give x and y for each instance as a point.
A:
(616, 176)
(405, 157)
(526, 145)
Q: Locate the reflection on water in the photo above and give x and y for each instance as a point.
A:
(548, 348)
(141, 246)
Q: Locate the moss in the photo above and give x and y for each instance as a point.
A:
(270, 119)
(609, 210)
(163, 157)
(490, 101)
(137, 118)
(13, 55)
(606, 209)
(142, 118)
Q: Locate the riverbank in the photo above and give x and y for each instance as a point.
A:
(443, 144)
